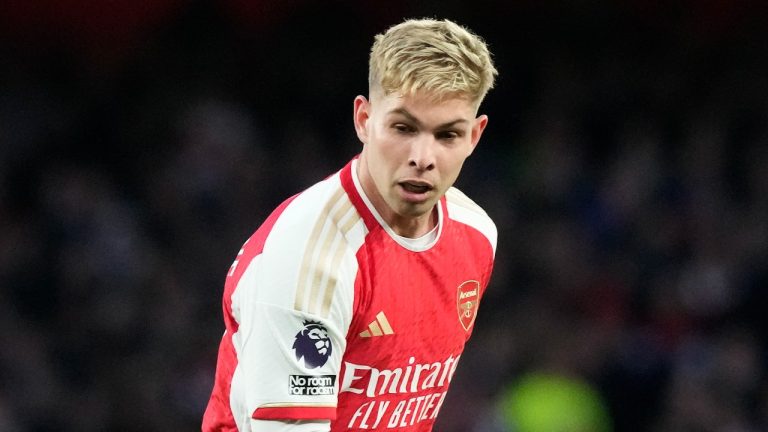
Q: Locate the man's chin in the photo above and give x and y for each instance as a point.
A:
(415, 210)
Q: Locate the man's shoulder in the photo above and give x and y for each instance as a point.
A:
(315, 199)
(308, 238)
(322, 211)
(463, 209)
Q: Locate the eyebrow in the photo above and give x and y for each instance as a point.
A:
(405, 113)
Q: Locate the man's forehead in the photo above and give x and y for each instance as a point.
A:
(420, 109)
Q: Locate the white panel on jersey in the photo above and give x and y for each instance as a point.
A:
(462, 209)
(285, 359)
(293, 304)
(307, 258)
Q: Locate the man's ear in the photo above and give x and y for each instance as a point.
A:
(361, 115)
(477, 130)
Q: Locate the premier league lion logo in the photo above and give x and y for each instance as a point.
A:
(313, 344)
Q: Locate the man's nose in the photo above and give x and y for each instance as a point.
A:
(422, 156)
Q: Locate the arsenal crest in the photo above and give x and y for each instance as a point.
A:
(467, 300)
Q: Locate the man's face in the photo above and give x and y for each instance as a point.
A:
(414, 148)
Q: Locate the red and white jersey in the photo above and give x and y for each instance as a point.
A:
(331, 316)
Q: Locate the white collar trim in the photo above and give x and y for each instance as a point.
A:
(413, 244)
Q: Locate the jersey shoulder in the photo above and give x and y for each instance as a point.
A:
(305, 254)
(463, 209)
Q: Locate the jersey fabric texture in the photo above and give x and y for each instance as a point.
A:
(330, 316)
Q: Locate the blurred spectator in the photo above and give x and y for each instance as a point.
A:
(541, 402)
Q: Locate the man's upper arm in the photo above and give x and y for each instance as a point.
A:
(293, 307)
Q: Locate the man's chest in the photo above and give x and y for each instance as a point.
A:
(415, 303)
(413, 315)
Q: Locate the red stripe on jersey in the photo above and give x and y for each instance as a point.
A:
(370, 221)
(295, 413)
(349, 186)
(218, 414)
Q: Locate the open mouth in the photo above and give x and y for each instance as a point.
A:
(416, 187)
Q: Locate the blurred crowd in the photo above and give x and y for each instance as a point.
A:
(625, 164)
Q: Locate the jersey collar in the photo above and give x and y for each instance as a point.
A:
(371, 216)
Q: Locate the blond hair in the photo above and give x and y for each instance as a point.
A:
(441, 58)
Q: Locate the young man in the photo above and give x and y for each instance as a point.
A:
(349, 308)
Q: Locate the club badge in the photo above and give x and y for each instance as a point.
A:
(467, 301)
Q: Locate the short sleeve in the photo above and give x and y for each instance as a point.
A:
(288, 360)
(287, 307)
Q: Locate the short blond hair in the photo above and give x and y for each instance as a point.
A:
(440, 58)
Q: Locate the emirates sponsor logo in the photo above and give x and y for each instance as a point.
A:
(468, 299)
(378, 415)
(409, 379)
(380, 410)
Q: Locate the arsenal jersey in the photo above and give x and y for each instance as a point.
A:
(330, 315)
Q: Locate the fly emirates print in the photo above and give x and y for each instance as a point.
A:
(400, 397)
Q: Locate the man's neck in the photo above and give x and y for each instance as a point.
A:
(408, 226)
(405, 226)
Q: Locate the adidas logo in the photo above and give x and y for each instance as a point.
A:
(379, 327)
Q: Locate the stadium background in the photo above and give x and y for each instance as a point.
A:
(626, 165)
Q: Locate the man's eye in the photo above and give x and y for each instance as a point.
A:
(447, 135)
(403, 128)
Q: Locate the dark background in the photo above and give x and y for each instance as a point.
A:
(625, 164)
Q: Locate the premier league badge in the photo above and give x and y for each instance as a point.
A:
(313, 345)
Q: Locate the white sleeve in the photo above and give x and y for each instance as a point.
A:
(288, 360)
(293, 306)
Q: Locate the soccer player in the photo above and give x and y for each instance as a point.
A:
(349, 308)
